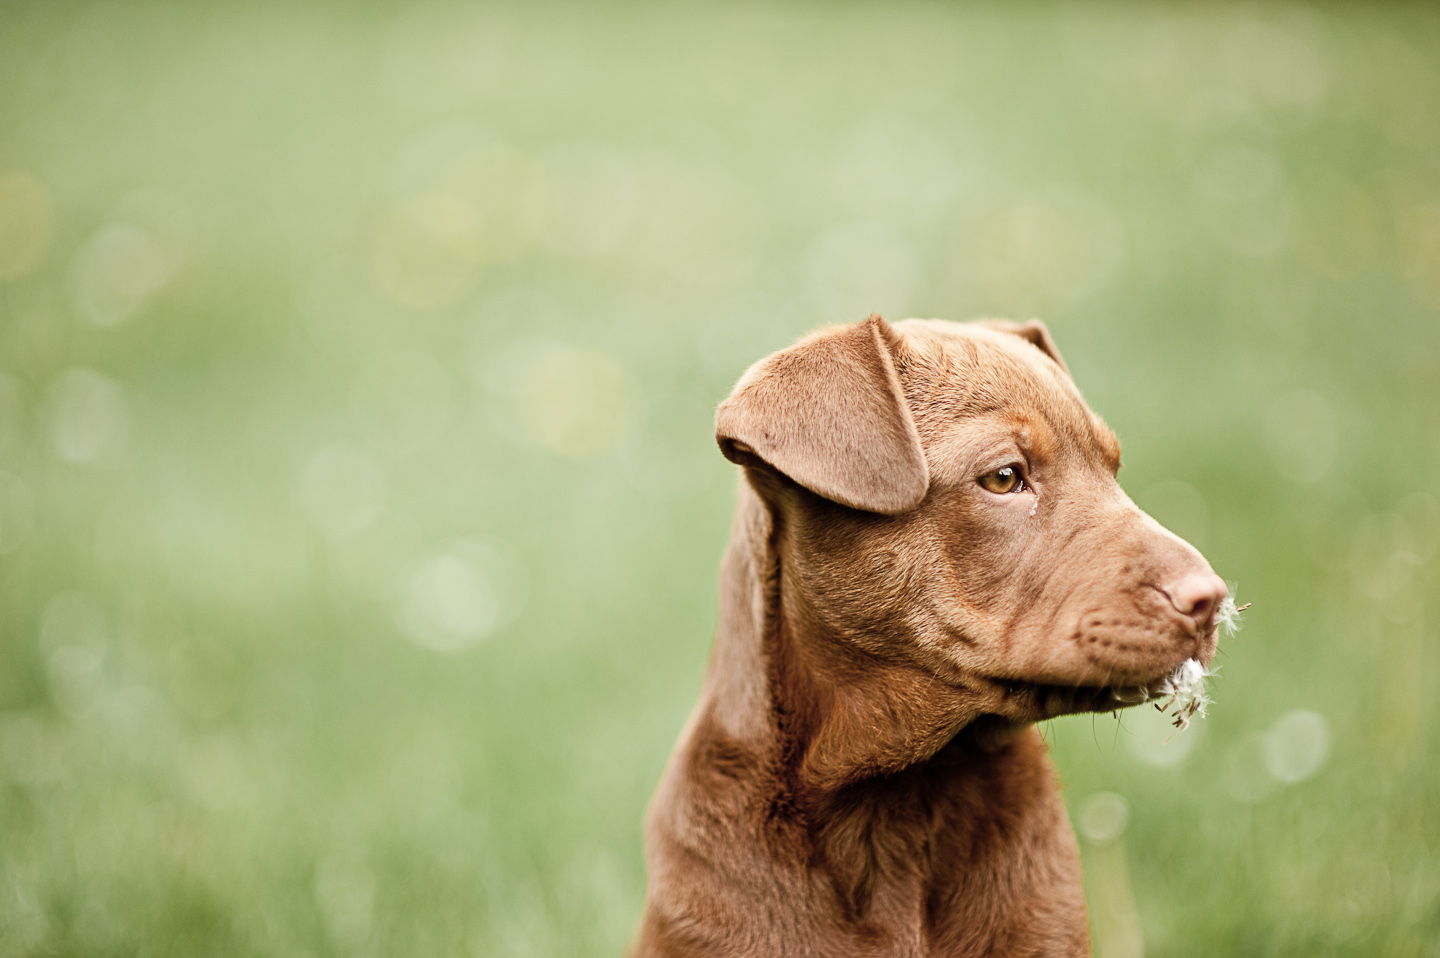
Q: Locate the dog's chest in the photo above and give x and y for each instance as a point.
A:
(971, 863)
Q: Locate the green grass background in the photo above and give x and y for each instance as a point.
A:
(359, 506)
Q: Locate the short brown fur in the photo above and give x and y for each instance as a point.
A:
(861, 775)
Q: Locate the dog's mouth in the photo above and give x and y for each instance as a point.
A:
(1037, 702)
(1173, 678)
(1181, 692)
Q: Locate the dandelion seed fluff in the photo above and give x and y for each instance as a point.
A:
(1183, 694)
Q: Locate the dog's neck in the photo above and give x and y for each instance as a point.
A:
(829, 715)
(860, 768)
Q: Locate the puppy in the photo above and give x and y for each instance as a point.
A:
(930, 554)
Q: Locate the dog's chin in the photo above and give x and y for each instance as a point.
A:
(1024, 704)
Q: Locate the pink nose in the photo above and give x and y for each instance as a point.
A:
(1197, 595)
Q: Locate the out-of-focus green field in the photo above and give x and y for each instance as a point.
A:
(359, 507)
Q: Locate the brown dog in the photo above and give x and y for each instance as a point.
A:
(930, 554)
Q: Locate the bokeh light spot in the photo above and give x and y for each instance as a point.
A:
(74, 636)
(1103, 817)
(89, 417)
(1153, 739)
(117, 272)
(457, 598)
(572, 400)
(1297, 745)
(343, 490)
(1293, 749)
(428, 252)
(75, 679)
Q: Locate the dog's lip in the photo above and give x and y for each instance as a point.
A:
(1163, 657)
(1040, 701)
(1126, 685)
(1136, 689)
(1106, 685)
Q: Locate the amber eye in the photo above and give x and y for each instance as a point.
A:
(1003, 480)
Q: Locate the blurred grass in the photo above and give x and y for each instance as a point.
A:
(358, 504)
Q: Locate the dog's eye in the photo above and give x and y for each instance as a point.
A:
(1003, 480)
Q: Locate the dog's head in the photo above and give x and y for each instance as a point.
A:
(952, 504)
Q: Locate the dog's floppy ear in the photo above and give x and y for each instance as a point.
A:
(1035, 333)
(829, 413)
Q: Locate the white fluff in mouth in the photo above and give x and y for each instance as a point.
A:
(1228, 615)
(1182, 693)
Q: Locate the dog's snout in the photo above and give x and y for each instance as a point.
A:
(1197, 595)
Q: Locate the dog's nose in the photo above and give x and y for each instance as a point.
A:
(1197, 594)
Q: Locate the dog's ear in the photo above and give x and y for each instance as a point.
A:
(829, 413)
(1033, 332)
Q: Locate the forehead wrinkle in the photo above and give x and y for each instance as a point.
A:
(939, 380)
(1048, 396)
(955, 378)
(1034, 434)
(956, 449)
